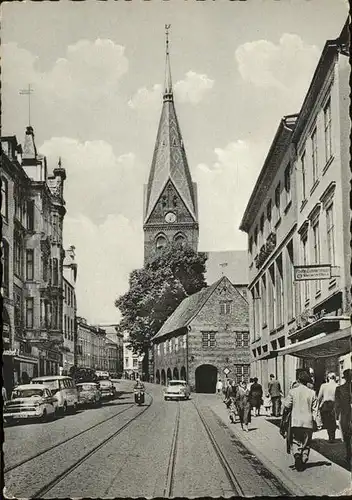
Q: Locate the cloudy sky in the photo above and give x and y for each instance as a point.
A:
(97, 71)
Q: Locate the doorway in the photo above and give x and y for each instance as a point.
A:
(206, 378)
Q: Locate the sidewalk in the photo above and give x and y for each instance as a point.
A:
(321, 477)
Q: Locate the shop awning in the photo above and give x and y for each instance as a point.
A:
(17, 356)
(323, 345)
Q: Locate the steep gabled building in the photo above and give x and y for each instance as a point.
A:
(170, 197)
(207, 334)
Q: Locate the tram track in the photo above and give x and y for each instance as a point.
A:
(172, 458)
(73, 466)
(56, 445)
(234, 483)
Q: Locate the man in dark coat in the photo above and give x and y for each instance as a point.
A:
(343, 403)
(274, 390)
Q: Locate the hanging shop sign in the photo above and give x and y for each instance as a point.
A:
(313, 272)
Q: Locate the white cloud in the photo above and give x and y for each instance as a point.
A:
(146, 99)
(193, 88)
(98, 182)
(223, 190)
(287, 65)
(89, 70)
(105, 254)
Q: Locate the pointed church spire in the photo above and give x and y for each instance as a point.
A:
(168, 80)
(169, 160)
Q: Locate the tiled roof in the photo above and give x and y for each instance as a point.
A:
(186, 311)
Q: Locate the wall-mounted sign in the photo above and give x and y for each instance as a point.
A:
(226, 371)
(314, 272)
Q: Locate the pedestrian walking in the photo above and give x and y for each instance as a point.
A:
(219, 386)
(256, 396)
(243, 405)
(343, 403)
(274, 389)
(267, 404)
(326, 405)
(302, 404)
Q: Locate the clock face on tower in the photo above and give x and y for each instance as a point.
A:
(170, 217)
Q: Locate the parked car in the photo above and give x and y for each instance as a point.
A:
(63, 388)
(30, 401)
(89, 394)
(107, 389)
(177, 389)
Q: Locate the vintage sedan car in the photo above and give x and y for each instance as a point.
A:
(107, 389)
(89, 394)
(177, 389)
(30, 401)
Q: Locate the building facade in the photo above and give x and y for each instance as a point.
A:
(132, 363)
(69, 310)
(114, 348)
(90, 349)
(270, 220)
(33, 210)
(170, 197)
(298, 215)
(206, 338)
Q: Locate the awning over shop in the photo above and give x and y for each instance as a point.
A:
(16, 356)
(323, 345)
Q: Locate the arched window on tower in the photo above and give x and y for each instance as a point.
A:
(180, 239)
(160, 242)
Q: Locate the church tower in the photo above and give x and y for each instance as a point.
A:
(170, 197)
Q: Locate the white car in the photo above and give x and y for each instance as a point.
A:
(30, 401)
(177, 389)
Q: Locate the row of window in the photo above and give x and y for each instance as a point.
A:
(270, 218)
(269, 292)
(172, 345)
(19, 255)
(69, 295)
(315, 253)
(312, 145)
(49, 315)
(161, 241)
(69, 327)
(134, 363)
(208, 341)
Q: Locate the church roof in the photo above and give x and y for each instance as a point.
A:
(169, 159)
(188, 309)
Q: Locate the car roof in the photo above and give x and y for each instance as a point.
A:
(32, 386)
(178, 381)
(52, 377)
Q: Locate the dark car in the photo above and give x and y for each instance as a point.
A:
(89, 394)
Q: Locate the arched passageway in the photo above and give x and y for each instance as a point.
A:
(157, 377)
(168, 374)
(183, 375)
(206, 377)
(175, 374)
(163, 377)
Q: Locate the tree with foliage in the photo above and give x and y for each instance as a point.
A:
(156, 290)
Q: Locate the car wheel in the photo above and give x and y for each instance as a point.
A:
(44, 417)
(74, 408)
(9, 421)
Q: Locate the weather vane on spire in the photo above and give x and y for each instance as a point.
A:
(168, 81)
(28, 92)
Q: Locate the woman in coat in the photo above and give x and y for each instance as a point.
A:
(256, 396)
(243, 405)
